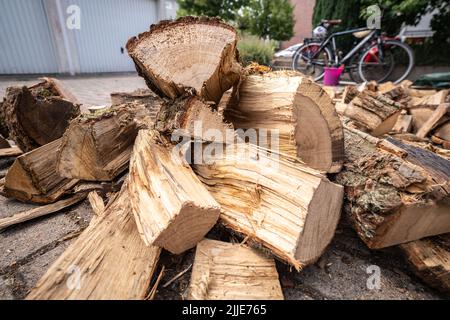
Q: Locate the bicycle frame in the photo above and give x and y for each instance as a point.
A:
(332, 38)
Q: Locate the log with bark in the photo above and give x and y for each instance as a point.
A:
(145, 97)
(172, 207)
(225, 271)
(300, 110)
(98, 147)
(373, 112)
(108, 261)
(273, 200)
(395, 192)
(430, 260)
(37, 115)
(191, 117)
(189, 54)
(33, 176)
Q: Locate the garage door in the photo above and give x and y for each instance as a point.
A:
(26, 44)
(106, 26)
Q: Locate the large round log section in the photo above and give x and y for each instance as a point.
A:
(299, 109)
(189, 54)
(278, 202)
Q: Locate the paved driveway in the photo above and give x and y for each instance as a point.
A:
(90, 90)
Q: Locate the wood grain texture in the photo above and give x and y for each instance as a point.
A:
(225, 271)
(144, 97)
(33, 176)
(300, 111)
(430, 260)
(98, 147)
(278, 203)
(373, 112)
(395, 192)
(171, 206)
(10, 152)
(36, 115)
(41, 211)
(189, 54)
(433, 120)
(109, 257)
(191, 117)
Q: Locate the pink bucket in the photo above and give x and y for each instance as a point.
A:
(332, 76)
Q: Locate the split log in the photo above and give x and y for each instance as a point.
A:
(10, 152)
(403, 124)
(225, 271)
(307, 123)
(272, 199)
(430, 100)
(395, 192)
(430, 260)
(36, 115)
(41, 211)
(433, 120)
(33, 176)
(194, 118)
(171, 206)
(108, 261)
(443, 133)
(144, 97)
(373, 112)
(98, 147)
(188, 54)
(421, 115)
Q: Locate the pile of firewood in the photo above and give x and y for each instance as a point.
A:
(141, 156)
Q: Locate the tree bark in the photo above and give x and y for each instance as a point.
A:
(373, 112)
(189, 54)
(172, 208)
(273, 200)
(430, 260)
(301, 112)
(395, 193)
(98, 147)
(36, 115)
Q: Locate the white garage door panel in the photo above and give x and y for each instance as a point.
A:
(106, 26)
(26, 45)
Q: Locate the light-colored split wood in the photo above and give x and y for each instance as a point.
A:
(225, 271)
(172, 208)
(275, 200)
(295, 108)
(108, 261)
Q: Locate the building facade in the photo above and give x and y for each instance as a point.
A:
(74, 36)
(303, 12)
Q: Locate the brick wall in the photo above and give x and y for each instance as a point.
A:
(303, 13)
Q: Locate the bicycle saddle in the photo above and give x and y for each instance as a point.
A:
(361, 34)
(332, 22)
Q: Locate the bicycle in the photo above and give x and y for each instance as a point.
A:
(375, 58)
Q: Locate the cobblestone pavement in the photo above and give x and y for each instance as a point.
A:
(27, 250)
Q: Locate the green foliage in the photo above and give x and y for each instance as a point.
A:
(273, 19)
(225, 9)
(348, 11)
(254, 49)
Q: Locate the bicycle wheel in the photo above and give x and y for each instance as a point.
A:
(396, 65)
(304, 63)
